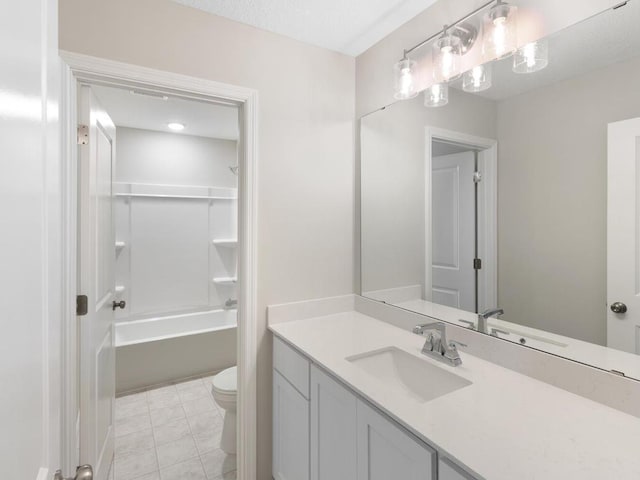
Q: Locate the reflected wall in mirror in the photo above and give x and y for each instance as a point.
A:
(523, 197)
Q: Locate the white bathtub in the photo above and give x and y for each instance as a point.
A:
(167, 349)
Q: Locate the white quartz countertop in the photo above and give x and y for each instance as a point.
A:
(504, 426)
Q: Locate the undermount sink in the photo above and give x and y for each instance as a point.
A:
(400, 370)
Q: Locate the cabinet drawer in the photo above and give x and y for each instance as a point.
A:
(291, 365)
(447, 470)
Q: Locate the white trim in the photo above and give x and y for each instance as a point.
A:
(94, 70)
(69, 180)
(487, 211)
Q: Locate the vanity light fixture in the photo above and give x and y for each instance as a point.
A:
(477, 79)
(403, 73)
(446, 55)
(436, 95)
(531, 57)
(500, 34)
(175, 126)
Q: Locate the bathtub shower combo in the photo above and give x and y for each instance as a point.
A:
(175, 269)
(175, 209)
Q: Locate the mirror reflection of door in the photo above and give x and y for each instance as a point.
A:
(623, 236)
(453, 225)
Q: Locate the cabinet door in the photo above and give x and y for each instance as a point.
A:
(333, 429)
(386, 451)
(290, 431)
(447, 470)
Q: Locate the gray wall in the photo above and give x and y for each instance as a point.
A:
(162, 158)
(552, 199)
(392, 187)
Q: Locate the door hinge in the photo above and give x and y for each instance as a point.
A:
(477, 263)
(83, 135)
(477, 177)
(83, 472)
(82, 305)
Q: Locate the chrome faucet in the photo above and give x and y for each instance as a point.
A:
(482, 318)
(230, 303)
(436, 345)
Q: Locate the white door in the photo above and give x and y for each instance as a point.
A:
(453, 234)
(30, 254)
(333, 429)
(623, 235)
(96, 280)
(386, 452)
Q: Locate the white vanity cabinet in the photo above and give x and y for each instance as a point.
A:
(322, 430)
(333, 429)
(290, 414)
(290, 431)
(386, 451)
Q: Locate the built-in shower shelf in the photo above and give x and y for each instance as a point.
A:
(225, 280)
(120, 246)
(225, 242)
(120, 289)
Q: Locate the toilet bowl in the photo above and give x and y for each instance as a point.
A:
(224, 389)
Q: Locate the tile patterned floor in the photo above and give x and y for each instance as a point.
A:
(171, 433)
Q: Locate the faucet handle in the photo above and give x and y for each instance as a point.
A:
(496, 331)
(470, 325)
(452, 354)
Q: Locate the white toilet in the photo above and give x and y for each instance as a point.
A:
(224, 390)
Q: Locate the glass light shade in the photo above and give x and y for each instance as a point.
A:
(500, 31)
(436, 95)
(477, 79)
(403, 73)
(531, 57)
(446, 57)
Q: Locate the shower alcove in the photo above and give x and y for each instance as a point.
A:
(175, 207)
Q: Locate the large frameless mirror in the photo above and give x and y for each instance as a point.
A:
(506, 199)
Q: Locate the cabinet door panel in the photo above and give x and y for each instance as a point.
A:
(290, 431)
(447, 470)
(333, 429)
(386, 451)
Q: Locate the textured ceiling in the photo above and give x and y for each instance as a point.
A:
(347, 26)
(151, 113)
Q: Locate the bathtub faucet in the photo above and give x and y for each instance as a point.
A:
(230, 303)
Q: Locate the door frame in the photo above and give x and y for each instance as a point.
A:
(83, 68)
(487, 210)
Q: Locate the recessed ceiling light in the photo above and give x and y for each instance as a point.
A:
(175, 126)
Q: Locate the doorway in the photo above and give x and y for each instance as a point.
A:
(173, 272)
(460, 211)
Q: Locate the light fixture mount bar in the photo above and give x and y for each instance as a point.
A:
(454, 24)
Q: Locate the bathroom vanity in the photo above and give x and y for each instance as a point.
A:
(354, 398)
(516, 196)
